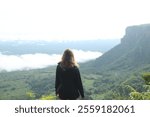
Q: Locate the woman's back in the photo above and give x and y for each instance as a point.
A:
(68, 83)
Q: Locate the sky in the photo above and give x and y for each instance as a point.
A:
(70, 19)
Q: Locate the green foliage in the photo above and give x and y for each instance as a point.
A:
(48, 97)
(140, 96)
(31, 84)
(146, 77)
(39, 84)
(31, 95)
(136, 96)
(34, 84)
(143, 95)
(146, 96)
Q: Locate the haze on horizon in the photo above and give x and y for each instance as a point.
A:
(70, 20)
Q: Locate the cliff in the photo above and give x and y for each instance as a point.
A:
(131, 53)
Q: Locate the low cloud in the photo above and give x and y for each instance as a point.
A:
(39, 60)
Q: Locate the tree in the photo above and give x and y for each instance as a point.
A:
(146, 77)
(143, 95)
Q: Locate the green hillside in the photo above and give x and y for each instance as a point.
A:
(122, 67)
(32, 84)
(132, 53)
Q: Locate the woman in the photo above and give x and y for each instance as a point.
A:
(68, 84)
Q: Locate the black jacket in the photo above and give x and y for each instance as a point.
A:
(68, 83)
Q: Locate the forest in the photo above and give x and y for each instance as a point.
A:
(39, 84)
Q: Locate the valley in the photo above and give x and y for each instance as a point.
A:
(119, 74)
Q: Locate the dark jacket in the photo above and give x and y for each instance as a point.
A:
(68, 83)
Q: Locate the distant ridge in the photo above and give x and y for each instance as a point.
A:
(19, 47)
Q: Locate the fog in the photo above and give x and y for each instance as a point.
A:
(40, 60)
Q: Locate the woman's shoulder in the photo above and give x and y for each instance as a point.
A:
(76, 67)
(60, 64)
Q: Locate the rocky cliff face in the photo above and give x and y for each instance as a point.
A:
(131, 53)
(136, 33)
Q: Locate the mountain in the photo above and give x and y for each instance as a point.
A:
(117, 74)
(114, 75)
(133, 51)
(18, 47)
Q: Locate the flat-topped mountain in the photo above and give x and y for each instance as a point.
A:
(132, 52)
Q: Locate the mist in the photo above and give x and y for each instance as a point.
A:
(40, 60)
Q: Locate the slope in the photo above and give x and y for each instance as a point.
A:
(131, 53)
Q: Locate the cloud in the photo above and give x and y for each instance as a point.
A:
(39, 60)
(83, 56)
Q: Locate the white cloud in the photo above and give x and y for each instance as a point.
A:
(83, 56)
(39, 60)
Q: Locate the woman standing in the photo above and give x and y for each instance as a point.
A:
(68, 84)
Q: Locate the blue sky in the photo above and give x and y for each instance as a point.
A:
(70, 19)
